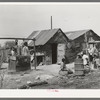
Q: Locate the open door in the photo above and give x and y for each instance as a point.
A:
(54, 53)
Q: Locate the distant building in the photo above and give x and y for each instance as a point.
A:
(79, 41)
(50, 45)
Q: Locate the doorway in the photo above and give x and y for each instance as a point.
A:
(54, 53)
(39, 59)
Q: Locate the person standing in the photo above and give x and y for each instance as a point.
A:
(25, 50)
(91, 57)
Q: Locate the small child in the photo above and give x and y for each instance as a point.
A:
(12, 51)
(63, 65)
(85, 59)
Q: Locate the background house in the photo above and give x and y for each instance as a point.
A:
(50, 45)
(79, 40)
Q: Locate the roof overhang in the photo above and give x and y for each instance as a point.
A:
(93, 42)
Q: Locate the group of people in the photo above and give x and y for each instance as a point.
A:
(23, 51)
(90, 57)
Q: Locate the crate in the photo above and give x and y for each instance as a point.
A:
(79, 61)
(79, 67)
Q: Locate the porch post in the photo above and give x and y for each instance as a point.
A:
(35, 59)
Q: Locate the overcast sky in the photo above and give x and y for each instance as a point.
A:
(21, 20)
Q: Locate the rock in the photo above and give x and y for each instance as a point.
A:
(44, 77)
(70, 71)
(38, 77)
(23, 87)
(37, 83)
(87, 70)
(18, 81)
(41, 64)
(29, 82)
(63, 73)
(22, 74)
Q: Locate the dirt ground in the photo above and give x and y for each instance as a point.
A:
(50, 74)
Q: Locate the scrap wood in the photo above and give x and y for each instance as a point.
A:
(33, 84)
(37, 83)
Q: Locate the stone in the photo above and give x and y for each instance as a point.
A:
(29, 82)
(44, 77)
(18, 81)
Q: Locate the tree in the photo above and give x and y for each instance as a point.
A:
(9, 44)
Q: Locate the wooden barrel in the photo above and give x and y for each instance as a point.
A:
(79, 67)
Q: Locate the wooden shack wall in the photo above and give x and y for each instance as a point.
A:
(77, 45)
(59, 37)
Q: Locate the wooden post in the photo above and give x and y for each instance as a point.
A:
(35, 59)
(16, 46)
(86, 42)
(51, 22)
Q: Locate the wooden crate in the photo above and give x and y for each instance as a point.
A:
(78, 61)
(79, 67)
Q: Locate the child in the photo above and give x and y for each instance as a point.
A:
(63, 65)
(85, 59)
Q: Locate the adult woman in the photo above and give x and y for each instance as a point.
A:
(25, 50)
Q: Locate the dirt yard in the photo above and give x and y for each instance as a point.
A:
(49, 74)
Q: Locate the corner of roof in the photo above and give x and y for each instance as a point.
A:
(88, 29)
(77, 31)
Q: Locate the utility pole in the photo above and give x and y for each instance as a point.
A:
(51, 22)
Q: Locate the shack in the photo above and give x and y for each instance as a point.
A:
(50, 45)
(79, 41)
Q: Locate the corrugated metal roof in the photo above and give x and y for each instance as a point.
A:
(42, 36)
(75, 34)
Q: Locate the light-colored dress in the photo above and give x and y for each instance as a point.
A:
(85, 59)
(25, 51)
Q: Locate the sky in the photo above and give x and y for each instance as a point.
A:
(20, 20)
